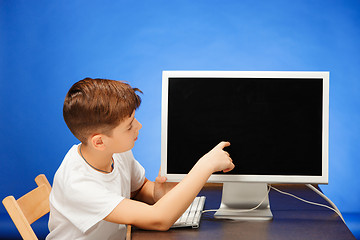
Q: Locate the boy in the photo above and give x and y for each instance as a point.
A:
(100, 187)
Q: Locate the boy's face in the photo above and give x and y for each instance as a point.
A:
(124, 135)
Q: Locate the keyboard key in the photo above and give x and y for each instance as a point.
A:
(191, 217)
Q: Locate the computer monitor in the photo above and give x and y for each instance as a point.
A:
(276, 122)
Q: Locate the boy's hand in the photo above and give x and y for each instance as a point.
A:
(219, 158)
(161, 187)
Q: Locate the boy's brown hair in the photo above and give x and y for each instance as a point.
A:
(98, 106)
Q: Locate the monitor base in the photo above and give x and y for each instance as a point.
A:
(238, 198)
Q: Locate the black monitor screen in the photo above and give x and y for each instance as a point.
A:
(274, 125)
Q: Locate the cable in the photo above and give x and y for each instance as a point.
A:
(242, 210)
(333, 208)
(309, 202)
(327, 199)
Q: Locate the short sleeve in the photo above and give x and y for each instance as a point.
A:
(86, 201)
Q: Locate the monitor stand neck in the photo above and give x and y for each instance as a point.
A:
(238, 197)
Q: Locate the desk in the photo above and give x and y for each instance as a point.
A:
(293, 219)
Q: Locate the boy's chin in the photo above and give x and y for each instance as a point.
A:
(125, 149)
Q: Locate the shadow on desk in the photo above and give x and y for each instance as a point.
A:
(293, 219)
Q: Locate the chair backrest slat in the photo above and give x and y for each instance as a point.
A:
(35, 204)
(30, 207)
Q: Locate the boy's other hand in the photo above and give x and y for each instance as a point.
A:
(219, 158)
(161, 187)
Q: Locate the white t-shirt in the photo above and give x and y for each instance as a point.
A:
(82, 197)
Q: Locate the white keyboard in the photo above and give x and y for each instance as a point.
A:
(191, 217)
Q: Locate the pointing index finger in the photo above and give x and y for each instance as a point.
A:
(223, 144)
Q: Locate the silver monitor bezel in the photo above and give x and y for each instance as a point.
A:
(323, 179)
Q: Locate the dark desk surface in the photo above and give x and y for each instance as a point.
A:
(293, 219)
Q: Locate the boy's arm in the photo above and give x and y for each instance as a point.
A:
(144, 193)
(169, 208)
(150, 192)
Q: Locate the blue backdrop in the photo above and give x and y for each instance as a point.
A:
(46, 46)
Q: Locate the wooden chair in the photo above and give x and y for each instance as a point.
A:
(30, 207)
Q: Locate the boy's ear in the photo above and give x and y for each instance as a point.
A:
(97, 142)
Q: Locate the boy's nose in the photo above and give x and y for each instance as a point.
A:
(139, 124)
